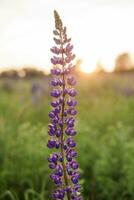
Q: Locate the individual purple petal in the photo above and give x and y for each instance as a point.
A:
(55, 120)
(74, 180)
(53, 61)
(59, 173)
(69, 158)
(57, 41)
(51, 114)
(55, 50)
(56, 71)
(70, 142)
(71, 102)
(71, 80)
(57, 144)
(54, 103)
(70, 122)
(60, 123)
(55, 93)
(69, 58)
(51, 143)
(55, 82)
(51, 126)
(69, 48)
(74, 165)
(65, 113)
(52, 165)
(72, 153)
(65, 146)
(72, 92)
(53, 157)
(69, 40)
(73, 132)
(55, 32)
(56, 179)
(69, 171)
(51, 131)
(49, 159)
(58, 133)
(77, 187)
(57, 110)
(68, 130)
(61, 82)
(61, 159)
(71, 111)
(65, 91)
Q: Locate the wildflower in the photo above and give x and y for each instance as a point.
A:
(61, 130)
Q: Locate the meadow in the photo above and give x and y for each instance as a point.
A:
(105, 139)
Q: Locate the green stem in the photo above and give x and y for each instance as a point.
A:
(62, 128)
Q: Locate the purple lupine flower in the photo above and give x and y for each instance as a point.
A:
(61, 130)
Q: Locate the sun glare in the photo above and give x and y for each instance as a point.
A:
(106, 61)
(87, 68)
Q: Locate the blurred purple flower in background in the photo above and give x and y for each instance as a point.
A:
(61, 130)
(39, 89)
(126, 91)
(36, 92)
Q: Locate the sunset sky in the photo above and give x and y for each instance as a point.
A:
(100, 30)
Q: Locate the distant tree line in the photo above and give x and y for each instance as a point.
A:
(26, 72)
(123, 63)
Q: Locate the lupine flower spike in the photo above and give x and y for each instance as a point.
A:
(61, 130)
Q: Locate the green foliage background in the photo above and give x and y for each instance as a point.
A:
(105, 140)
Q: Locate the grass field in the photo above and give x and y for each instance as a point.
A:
(105, 139)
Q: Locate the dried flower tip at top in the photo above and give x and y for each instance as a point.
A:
(58, 22)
